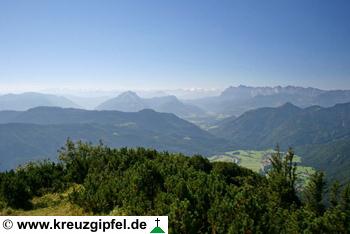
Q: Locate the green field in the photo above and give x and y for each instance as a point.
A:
(257, 160)
(251, 159)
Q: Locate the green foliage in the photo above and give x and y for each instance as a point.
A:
(345, 205)
(198, 196)
(282, 178)
(334, 194)
(18, 187)
(14, 191)
(200, 163)
(76, 160)
(42, 177)
(314, 193)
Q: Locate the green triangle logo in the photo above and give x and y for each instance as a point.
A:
(157, 230)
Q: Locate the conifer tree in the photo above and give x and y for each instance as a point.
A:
(334, 194)
(314, 193)
(282, 178)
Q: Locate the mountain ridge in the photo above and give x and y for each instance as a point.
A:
(25, 101)
(307, 130)
(130, 101)
(39, 132)
(237, 100)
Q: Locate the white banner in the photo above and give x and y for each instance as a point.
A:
(83, 224)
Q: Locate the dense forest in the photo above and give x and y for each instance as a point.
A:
(198, 196)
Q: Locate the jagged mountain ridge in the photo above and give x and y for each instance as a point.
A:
(237, 100)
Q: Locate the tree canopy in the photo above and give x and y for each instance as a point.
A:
(199, 196)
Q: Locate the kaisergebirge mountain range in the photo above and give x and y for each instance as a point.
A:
(316, 123)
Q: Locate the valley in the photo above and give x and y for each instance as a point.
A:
(259, 162)
(289, 117)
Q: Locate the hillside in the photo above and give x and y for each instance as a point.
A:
(288, 125)
(316, 132)
(332, 157)
(39, 132)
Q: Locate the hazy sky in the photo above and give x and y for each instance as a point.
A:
(135, 44)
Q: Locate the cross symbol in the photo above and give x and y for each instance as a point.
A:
(157, 220)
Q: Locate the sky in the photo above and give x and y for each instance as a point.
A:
(165, 44)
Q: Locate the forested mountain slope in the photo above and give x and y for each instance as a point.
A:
(39, 132)
(321, 135)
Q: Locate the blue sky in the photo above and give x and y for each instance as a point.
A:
(165, 44)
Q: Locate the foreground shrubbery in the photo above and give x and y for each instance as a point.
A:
(198, 196)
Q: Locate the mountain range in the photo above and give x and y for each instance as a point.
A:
(129, 101)
(316, 123)
(26, 101)
(237, 100)
(320, 135)
(39, 132)
(232, 101)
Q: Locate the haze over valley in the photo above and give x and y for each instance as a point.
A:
(242, 117)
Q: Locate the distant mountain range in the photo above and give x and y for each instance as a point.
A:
(232, 101)
(320, 135)
(26, 101)
(39, 132)
(131, 102)
(315, 122)
(237, 100)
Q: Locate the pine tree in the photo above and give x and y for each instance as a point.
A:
(345, 205)
(334, 194)
(314, 193)
(282, 178)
